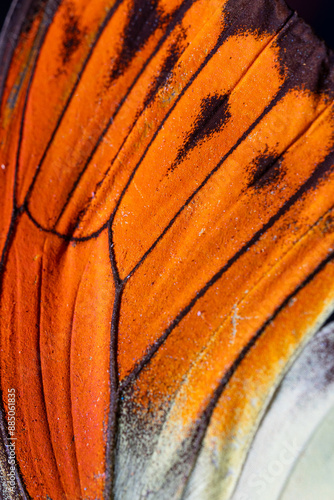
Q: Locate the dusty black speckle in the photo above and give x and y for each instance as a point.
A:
(266, 169)
(265, 17)
(72, 37)
(144, 19)
(36, 7)
(166, 69)
(214, 113)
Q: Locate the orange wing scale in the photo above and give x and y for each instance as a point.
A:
(167, 237)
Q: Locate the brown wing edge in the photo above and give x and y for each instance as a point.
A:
(9, 35)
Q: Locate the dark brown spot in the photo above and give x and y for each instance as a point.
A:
(72, 36)
(144, 19)
(213, 115)
(266, 170)
(166, 69)
(36, 7)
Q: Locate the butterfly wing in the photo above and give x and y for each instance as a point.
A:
(167, 237)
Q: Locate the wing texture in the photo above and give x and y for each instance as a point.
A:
(166, 237)
(301, 410)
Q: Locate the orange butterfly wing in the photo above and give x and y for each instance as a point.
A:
(167, 236)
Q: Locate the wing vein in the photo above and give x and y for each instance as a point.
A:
(320, 171)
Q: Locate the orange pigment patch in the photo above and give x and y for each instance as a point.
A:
(220, 228)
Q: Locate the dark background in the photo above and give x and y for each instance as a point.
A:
(4, 6)
(318, 13)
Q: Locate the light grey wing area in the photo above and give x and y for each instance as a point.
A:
(292, 455)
